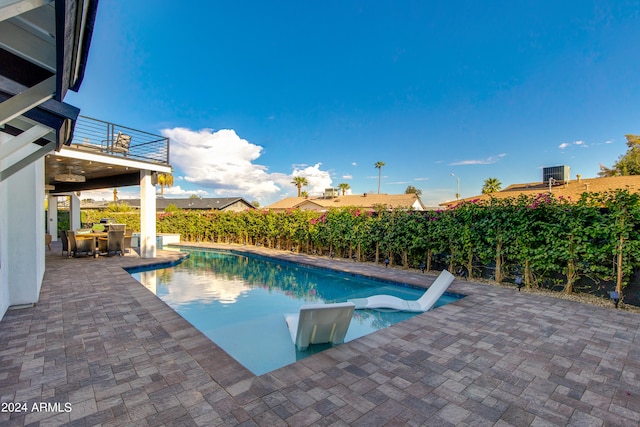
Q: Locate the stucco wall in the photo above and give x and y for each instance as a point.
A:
(4, 281)
(237, 207)
(25, 233)
(22, 229)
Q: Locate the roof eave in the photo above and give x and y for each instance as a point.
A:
(74, 29)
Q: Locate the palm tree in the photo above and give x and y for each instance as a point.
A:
(344, 187)
(299, 181)
(491, 185)
(164, 180)
(379, 165)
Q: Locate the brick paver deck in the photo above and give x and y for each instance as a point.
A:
(100, 349)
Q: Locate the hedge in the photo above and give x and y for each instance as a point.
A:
(548, 241)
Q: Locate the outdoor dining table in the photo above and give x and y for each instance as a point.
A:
(95, 235)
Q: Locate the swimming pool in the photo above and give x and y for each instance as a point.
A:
(239, 302)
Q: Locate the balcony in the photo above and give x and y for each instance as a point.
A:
(115, 140)
(105, 155)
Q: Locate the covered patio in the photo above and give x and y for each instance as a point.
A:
(94, 160)
(46, 148)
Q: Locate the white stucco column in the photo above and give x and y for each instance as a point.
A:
(4, 239)
(147, 215)
(74, 212)
(52, 217)
(25, 233)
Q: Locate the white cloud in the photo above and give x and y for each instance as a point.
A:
(347, 176)
(221, 161)
(225, 163)
(176, 190)
(487, 161)
(578, 143)
(319, 180)
(354, 164)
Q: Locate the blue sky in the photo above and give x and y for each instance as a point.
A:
(252, 93)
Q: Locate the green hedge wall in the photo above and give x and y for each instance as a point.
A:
(548, 241)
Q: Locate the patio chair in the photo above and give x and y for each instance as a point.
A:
(113, 243)
(319, 324)
(80, 245)
(424, 303)
(121, 143)
(128, 234)
(65, 242)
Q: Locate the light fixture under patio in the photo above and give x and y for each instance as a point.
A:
(69, 177)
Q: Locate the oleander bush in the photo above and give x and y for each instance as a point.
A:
(591, 244)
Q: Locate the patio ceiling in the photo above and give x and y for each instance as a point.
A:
(99, 170)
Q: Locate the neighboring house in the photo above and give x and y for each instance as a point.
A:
(236, 204)
(571, 189)
(369, 202)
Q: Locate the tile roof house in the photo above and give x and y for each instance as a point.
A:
(571, 189)
(364, 201)
(236, 204)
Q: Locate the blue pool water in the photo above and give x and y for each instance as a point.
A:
(239, 302)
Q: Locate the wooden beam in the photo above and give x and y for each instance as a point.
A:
(23, 140)
(28, 99)
(27, 160)
(11, 8)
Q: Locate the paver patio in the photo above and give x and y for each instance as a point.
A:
(101, 349)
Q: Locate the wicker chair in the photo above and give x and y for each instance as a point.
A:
(113, 243)
(128, 233)
(80, 245)
(65, 243)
